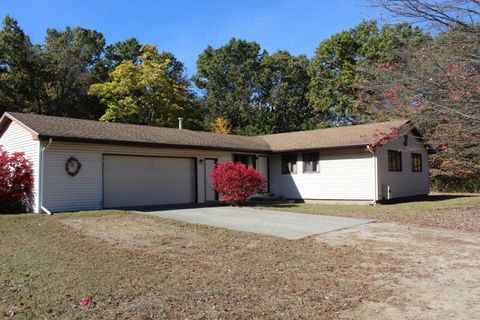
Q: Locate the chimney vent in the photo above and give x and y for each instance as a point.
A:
(180, 123)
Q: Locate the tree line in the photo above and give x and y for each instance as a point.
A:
(239, 87)
(371, 72)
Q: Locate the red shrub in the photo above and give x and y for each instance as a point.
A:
(16, 181)
(236, 182)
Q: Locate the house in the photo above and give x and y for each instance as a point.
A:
(84, 164)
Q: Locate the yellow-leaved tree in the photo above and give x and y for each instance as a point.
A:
(147, 92)
(220, 125)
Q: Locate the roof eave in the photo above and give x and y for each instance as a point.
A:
(7, 118)
(164, 145)
(353, 146)
(418, 135)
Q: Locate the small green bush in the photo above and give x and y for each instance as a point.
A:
(456, 184)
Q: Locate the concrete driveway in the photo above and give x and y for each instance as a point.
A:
(274, 223)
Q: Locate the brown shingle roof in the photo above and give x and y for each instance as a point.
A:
(61, 128)
(70, 129)
(345, 136)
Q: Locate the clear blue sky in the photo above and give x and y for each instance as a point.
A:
(185, 28)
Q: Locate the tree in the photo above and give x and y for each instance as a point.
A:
(220, 125)
(336, 70)
(127, 50)
(16, 182)
(443, 15)
(236, 182)
(74, 57)
(229, 77)
(144, 93)
(436, 84)
(283, 105)
(52, 78)
(22, 71)
(255, 92)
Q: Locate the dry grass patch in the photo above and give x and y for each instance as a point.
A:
(140, 267)
(134, 231)
(460, 218)
(437, 275)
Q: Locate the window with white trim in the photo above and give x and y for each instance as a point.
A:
(310, 162)
(416, 162)
(394, 160)
(289, 163)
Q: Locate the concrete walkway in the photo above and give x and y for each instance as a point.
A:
(275, 223)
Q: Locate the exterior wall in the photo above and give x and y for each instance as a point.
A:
(405, 183)
(16, 138)
(85, 190)
(343, 175)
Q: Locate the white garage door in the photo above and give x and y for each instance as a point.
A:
(130, 181)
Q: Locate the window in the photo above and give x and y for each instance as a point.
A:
(246, 159)
(416, 162)
(289, 163)
(394, 160)
(310, 162)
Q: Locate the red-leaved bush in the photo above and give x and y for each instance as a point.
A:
(16, 181)
(236, 182)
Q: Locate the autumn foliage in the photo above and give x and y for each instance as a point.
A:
(220, 125)
(236, 182)
(16, 181)
(381, 138)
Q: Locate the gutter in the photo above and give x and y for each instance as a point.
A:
(41, 184)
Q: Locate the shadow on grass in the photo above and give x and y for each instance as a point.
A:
(430, 198)
(174, 207)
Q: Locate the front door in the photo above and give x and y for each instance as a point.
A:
(210, 194)
(262, 167)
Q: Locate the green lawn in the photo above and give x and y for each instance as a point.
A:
(449, 210)
(139, 267)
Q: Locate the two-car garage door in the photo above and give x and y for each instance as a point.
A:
(130, 181)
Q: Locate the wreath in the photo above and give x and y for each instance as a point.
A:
(72, 166)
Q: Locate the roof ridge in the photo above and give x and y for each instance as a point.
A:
(340, 127)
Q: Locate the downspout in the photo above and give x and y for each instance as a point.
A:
(376, 179)
(42, 169)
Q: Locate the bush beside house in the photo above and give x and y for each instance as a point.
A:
(236, 182)
(16, 182)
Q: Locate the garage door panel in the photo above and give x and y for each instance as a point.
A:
(143, 181)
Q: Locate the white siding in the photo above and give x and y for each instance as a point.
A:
(343, 175)
(405, 183)
(85, 191)
(16, 138)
